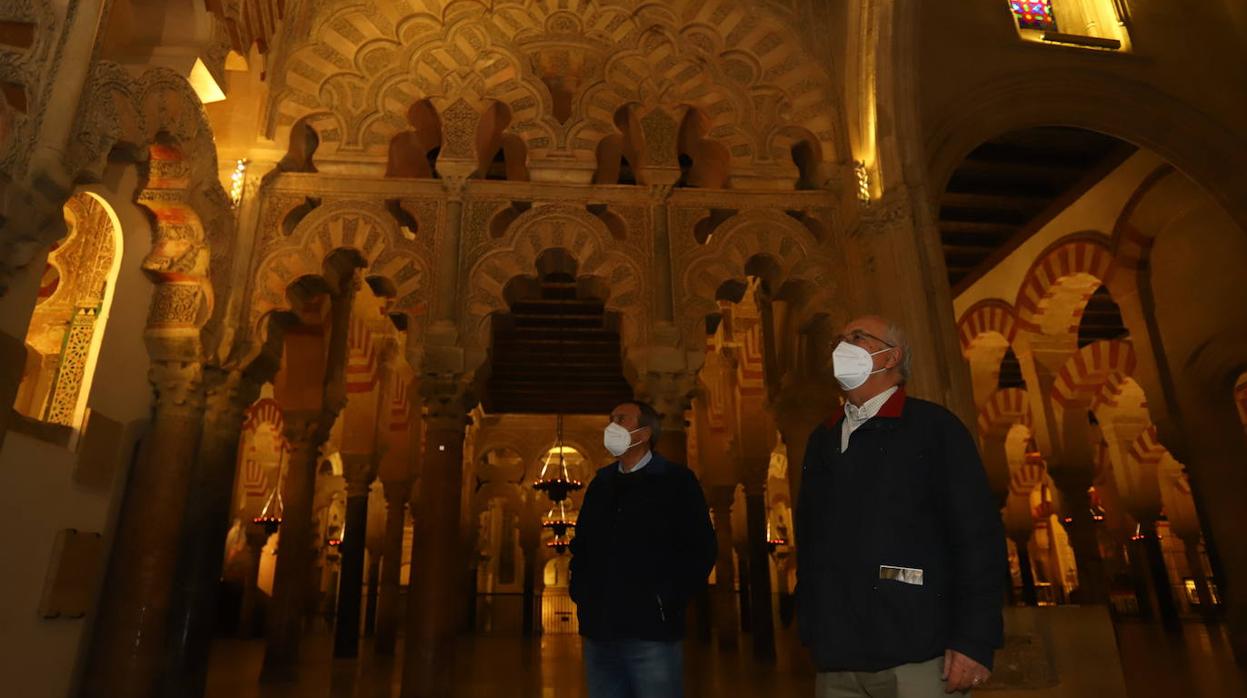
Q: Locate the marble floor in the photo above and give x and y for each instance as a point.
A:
(1196, 664)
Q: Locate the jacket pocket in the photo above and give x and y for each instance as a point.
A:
(902, 619)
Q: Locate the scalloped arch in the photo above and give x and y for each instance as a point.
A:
(586, 238)
(360, 226)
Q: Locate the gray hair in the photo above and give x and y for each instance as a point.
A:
(897, 338)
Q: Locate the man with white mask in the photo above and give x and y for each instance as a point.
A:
(644, 547)
(902, 563)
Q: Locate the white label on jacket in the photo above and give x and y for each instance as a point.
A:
(904, 575)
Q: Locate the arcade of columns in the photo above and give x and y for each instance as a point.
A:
(328, 323)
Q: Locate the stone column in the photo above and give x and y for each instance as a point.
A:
(128, 645)
(725, 618)
(205, 523)
(1075, 514)
(247, 618)
(530, 542)
(1154, 560)
(359, 469)
(763, 624)
(397, 492)
(428, 650)
(370, 598)
(306, 432)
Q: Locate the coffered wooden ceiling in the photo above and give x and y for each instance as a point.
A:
(1010, 186)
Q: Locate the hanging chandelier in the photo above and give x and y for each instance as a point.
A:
(560, 518)
(559, 543)
(554, 480)
(271, 513)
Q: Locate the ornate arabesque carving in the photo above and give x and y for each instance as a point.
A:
(758, 91)
(699, 271)
(546, 227)
(362, 227)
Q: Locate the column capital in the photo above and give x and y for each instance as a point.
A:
(455, 185)
(178, 384)
(447, 400)
(891, 212)
(227, 394)
(397, 492)
(671, 394)
(307, 428)
(359, 470)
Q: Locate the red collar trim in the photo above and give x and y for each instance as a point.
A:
(892, 409)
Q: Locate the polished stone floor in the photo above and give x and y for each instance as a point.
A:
(1196, 664)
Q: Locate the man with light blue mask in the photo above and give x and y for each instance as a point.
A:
(901, 561)
(644, 547)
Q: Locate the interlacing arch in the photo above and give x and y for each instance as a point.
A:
(563, 74)
(361, 226)
(788, 247)
(583, 236)
(1058, 284)
(1083, 377)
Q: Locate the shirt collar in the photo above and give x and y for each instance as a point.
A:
(891, 406)
(645, 459)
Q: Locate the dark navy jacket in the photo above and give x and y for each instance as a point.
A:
(643, 547)
(910, 492)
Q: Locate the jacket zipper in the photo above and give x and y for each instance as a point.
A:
(661, 614)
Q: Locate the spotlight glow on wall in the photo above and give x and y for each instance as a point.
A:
(237, 179)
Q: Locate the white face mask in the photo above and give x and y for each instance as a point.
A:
(852, 364)
(617, 439)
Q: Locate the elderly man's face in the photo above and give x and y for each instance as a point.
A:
(866, 332)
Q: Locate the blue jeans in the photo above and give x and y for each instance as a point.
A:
(634, 668)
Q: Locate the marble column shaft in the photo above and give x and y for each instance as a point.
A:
(351, 576)
(204, 526)
(397, 492)
(128, 643)
(1076, 507)
(306, 432)
(428, 651)
(762, 625)
(725, 618)
(1159, 576)
(247, 612)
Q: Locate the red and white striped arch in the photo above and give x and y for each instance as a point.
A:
(1147, 448)
(1026, 477)
(265, 411)
(1064, 266)
(1086, 374)
(990, 316)
(361, 364)
(1005, 408)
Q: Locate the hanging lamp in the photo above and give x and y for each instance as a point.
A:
(271, 513)
(555, 480)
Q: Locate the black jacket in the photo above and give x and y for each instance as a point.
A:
(643, 547)
(909, 492)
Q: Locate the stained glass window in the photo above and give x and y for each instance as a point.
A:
(1034, 14)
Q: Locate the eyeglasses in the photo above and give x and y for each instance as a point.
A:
(857, 337)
